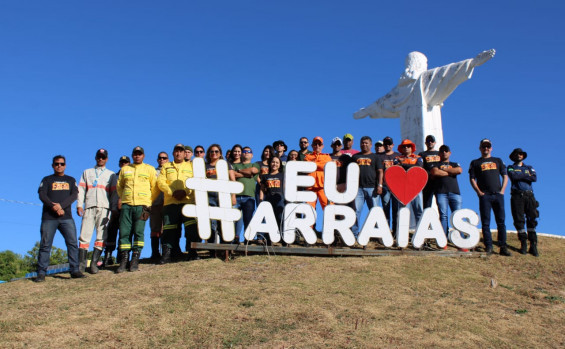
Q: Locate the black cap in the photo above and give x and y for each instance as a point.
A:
(388, 141)
(430, 138)
(178, 146)
(516, 152)
(138, 148)
(124, 159)
(102, 153)
(485, 140)
(444, 148)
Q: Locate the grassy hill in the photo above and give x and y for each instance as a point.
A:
(299, 302)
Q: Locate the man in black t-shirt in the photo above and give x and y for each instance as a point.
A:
(484, 174)
(369, 166)
(388, 200)
(446, 188)
(430, 157)
(58, 192)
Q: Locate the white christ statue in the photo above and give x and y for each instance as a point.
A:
(419, 96)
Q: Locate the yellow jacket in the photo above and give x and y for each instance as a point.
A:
(173, 177)
(137, 185)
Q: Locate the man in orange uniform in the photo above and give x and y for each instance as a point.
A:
(320, 160)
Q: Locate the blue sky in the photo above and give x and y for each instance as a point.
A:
(77, 76)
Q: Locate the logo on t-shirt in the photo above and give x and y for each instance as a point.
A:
(364, 162)
(486, 166)
(60, 186)
(273, 183)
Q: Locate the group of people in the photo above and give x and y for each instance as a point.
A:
(122, 202)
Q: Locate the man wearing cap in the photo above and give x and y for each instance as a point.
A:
(388, 200)
(114, 223)
(430, 158)
(156, 217)
(57, 192)
(137, 189)
(188, 153)
(172, 182)
(341, 160)
(97, 193)
(522, 200)
(484, 175)
(280, 149)
(369, 166)
(348, 144)
(408, 159)
(446, 190)
(303, 144)
(320, 159)
(379, 147)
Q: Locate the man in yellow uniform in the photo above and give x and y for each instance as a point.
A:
(137, 189)
(172, 182)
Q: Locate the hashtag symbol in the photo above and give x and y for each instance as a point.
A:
(204, 212)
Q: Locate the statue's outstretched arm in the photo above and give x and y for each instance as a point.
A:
(483, 57)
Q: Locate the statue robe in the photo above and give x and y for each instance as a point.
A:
(418, 102)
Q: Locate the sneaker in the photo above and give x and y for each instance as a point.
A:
(504, 252)
(489, 250)
(39, 278)
(77, 275)
(463, 250)
(445, 247)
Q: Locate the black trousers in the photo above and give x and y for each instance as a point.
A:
(524, 210)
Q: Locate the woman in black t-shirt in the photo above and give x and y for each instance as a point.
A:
(272, 188)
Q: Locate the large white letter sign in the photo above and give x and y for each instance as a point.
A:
(465, 221)
(292, 180)
(303, 224)
(402, 227)
(265, 213)
(376, 226)
(330, 183)
(202, 211)
(343, 226)
(429, 227)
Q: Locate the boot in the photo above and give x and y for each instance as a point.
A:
(504, 251)
(134, 265)
(94, 262)
(124, 256)
(524, 243)
(82, 259)
(166, 258)
(534, 249)
(107, 258)
(155, 249)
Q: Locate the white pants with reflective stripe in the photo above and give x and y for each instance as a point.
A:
(94, 218)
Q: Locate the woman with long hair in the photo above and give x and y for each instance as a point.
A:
(272, 190)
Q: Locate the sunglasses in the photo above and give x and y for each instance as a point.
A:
(101, 157)
(317, 143)
(162, 158)
(214, 151)
(199, 152)
(247, 152)
(486, 146)
(58, 164)
(302, 142)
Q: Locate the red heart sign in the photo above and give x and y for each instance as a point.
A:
(405, 185)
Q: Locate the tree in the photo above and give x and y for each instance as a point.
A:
(12, 265)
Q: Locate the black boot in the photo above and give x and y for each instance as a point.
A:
(107, 259)
(504, 251)
(524, 243)
(94, 262)
(82, 259)
(155, 255)
(124, 256)
(533, 237)
(134, 265)
(166, 258)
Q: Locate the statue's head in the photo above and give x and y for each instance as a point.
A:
(416, 64)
